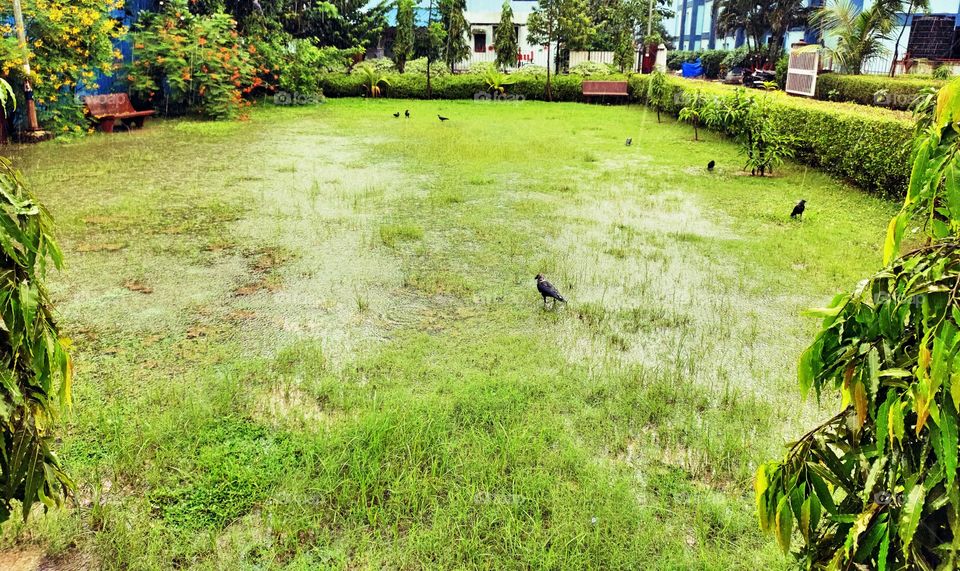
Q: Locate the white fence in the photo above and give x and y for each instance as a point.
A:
(598, 57)
(536, 55)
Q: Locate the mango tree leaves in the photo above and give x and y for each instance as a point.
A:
(34, 355)
(910, 515)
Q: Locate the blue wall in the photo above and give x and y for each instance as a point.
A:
(106, 83)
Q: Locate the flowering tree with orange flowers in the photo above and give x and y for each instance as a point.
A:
(68, 42)
(193, 63)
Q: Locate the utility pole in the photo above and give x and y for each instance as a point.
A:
(33, 127)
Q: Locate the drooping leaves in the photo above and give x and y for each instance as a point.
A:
(33, 355)
(884, 469)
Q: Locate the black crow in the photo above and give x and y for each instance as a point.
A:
(442, 118)
(798, 210)
(397, 114)
(546, 290)
(710, 165)
(407, 113)
(629, 142)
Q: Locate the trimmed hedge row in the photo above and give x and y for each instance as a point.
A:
(880, 91)
(869, 147)
(465, 86)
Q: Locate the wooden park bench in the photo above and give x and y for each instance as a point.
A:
(106, 110)
(604, 89)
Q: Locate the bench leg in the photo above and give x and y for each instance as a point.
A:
(106, 125)
(139, 122)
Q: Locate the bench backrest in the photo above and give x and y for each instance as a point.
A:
(109, 104)
(605, 87)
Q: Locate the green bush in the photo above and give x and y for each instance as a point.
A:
(881, 91)
(869, 147)
(381, 64)
(590, 68)
(739, 57)
(302, 66)
(783, 64)
(531, 70)
(419, 66)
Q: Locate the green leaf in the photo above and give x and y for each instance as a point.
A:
(891, 246)
(895, 426)
(910, 514)
(884, 551)
(820, 488)
(949, 439)
(784, 518)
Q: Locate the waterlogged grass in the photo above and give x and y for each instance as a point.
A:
(312, 340)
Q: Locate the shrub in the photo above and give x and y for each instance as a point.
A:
(783, 65)
(875, 486)
(34, 355)
(419, 67)
(942, 72)
(302, 66)
(738, 58)
(197, 62)
(531, 70)
(882, 91)
(656, 92)
(867, 146)
(481, 68)
(712, 61)
(590, 68)
(381, 64)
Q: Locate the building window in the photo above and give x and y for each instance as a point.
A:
(480, 42)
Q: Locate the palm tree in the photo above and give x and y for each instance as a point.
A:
(372, 79)
(746, 15)
(860, 34)
(783, 15)
(758, 17)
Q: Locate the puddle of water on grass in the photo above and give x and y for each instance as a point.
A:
(648, 289)
(341, 286)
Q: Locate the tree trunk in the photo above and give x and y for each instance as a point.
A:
(896, 46)
(549, 91)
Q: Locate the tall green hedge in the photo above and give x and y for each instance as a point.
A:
(868, 146)
(880, 91)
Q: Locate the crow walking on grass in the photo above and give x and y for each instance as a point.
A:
(798, 210)
(629, 142)
(546, 290)
(442, 118)
(397, 114)
(710, 165)
(407, 113)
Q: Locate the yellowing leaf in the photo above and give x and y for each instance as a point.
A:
(910, 514)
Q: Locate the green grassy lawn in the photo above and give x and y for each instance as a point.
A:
(313, 340)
